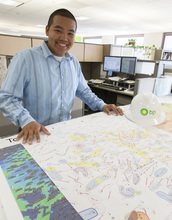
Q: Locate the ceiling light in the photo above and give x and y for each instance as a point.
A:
(10, 2)
(81, 18)
(40, 25)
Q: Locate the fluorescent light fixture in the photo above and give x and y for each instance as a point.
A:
(40, 25)
(81, 18)
(10, 2)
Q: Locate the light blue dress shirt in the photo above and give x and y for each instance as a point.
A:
(38, 87)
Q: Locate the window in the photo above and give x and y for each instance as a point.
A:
(167, 39)
(121, 40)
(167, 46)
(93, 40)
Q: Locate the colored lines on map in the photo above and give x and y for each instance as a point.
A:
(96, 182)
(36, 195)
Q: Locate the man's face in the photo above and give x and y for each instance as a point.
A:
(61, 35)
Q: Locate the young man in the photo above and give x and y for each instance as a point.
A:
(42, 82)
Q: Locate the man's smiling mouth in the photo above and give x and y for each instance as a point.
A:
(62, 44)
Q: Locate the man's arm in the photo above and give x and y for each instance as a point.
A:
(11, 96)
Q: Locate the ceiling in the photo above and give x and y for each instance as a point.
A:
(102, 17)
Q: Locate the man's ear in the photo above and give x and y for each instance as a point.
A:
(47, 30)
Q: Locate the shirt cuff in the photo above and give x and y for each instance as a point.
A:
(100, 106)
(25, 119)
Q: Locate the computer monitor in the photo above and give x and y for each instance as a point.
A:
(112, 64)
(128, 65)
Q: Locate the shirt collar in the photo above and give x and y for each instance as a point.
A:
(47, 53)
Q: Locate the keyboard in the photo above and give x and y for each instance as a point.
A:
(106, 85)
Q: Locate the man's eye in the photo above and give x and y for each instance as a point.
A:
(57, 30)
(71, 34)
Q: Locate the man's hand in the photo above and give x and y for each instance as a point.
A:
(30, 131)
(111, 108)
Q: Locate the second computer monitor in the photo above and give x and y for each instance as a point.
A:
(128, 65)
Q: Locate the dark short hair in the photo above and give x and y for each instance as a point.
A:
(62, 12)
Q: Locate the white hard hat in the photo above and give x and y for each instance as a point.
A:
(145, 109)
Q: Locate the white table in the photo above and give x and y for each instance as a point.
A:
(108, 166)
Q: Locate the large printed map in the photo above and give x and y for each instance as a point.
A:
(167, 124)
(107, 166)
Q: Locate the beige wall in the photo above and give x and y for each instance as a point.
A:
(10, 45)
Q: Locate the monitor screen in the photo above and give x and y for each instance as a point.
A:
(128, 65)
(112, 64)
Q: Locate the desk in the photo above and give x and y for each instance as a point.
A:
(125, 92)
(111, 95)
(107, 166)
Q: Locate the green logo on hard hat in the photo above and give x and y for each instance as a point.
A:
(144, 111)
